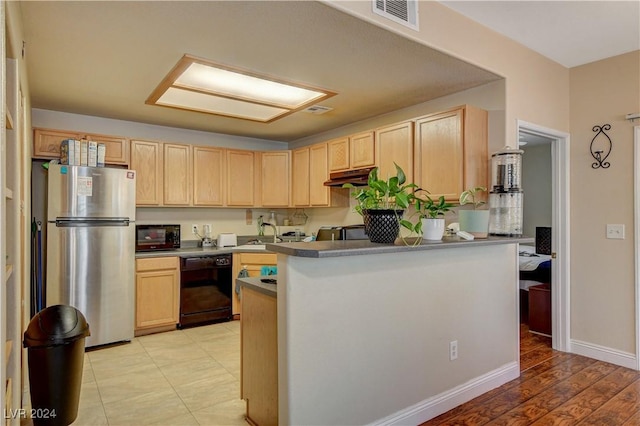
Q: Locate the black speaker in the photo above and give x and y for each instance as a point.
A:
(543, 240)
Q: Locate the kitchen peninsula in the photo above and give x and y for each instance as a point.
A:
(365, 331)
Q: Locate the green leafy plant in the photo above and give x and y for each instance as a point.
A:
(469, 197)
(396, 194)
(392, 193)
(424, 207)
(427, 208)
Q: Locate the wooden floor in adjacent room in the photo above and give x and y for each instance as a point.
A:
(555, 388)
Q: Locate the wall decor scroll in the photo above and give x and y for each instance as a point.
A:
(601, 146)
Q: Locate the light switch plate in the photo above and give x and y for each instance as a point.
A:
(615, 231)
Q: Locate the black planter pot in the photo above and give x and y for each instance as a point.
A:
(382, 226)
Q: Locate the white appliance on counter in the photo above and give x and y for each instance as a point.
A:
(227, 240)
(90, 247)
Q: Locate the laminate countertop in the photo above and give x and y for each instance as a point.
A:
(195, 251)
(255, 283)
(323, 249)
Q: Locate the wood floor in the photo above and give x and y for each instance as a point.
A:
(555, 388)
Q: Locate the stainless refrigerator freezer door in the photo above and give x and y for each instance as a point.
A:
(75, 191)
(92, 268)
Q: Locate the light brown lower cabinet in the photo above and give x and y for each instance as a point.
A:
(157, 294)
(259, 357)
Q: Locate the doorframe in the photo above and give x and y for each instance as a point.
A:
(636, 226)
(560, 273)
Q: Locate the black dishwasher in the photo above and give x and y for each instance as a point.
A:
(205, 289)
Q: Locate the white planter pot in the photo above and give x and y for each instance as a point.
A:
(475, 222)
(432, 229)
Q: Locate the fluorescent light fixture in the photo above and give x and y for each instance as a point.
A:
(200, 85)
(211, 104)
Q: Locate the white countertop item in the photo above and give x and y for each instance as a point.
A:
(227, 240)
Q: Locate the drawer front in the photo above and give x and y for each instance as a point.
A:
(258, 258)
(157, 263)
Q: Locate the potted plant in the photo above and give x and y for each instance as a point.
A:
(382, 203)
(475, 221)
(431, 221)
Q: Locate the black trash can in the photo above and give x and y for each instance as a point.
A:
(55, 342)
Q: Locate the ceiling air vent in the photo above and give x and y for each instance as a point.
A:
(317, 109)
(404, 12)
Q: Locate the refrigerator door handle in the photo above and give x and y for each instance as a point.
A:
(75, 223)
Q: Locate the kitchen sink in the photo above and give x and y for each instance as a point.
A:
(260, 244)
(256, 247)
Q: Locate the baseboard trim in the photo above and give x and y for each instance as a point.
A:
(603, 353)
(436, 405)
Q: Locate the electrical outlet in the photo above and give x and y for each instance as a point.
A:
(453, 350)
(194, 229)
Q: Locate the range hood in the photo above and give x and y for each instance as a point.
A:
(358, 177)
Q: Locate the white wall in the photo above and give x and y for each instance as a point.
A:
(366, 337)
(602, 270)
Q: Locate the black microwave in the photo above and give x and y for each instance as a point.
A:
(157, 237)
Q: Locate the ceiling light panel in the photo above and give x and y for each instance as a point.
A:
(186, 99)
(234, 84)
(200, 85)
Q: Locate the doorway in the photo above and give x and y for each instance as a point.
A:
(560, 308)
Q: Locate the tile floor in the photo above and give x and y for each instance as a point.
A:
(182, 377)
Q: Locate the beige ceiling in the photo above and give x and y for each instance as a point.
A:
(105, 58)
(571, 33)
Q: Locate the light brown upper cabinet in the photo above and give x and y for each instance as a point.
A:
(178, 175)
(116, 149)
(300, 177)
(46, 144)
(361, 150)
(353, 152)
(240, 178)
(394, 144)
(451, 152)
(339, 154)
(208, 176)
(320, 195)
(309, 173)
(275, 172)
(146, 160)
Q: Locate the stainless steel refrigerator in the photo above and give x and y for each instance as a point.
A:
(90, 247)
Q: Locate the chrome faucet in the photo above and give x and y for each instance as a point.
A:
(275, 231)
